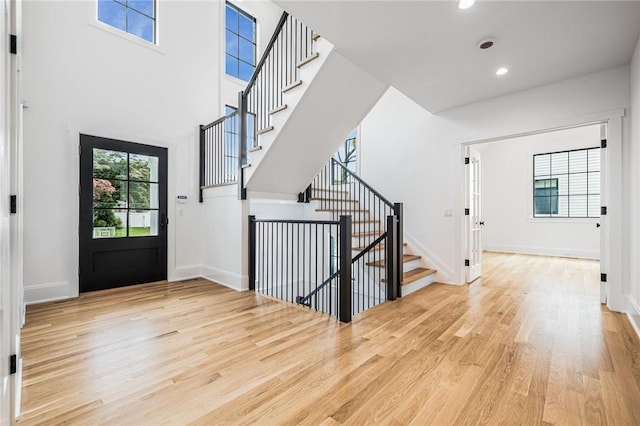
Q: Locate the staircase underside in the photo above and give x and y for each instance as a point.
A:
(334, 102)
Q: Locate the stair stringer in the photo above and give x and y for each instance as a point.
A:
(307, 133)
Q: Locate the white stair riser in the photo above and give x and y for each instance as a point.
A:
(418, 284)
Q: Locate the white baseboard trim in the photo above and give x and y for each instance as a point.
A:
(634, 315)
(544, 251)
(228, 279)
(48, 292)
(444, 273)
(185, 273)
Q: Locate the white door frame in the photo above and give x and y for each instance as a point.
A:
(611, 240)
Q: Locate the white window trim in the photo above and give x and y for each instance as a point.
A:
(92, 11)
(223, 38)
(532, 218)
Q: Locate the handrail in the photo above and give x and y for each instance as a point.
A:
(267, 51)
(300, 300)
(369, 247)
(303, 222)
(218, 121)
(365, 184)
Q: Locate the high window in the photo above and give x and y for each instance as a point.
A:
(567, 184)
(136, 17)
(240, 39)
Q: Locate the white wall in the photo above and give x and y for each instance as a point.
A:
(416, 157)
(634, 199)
(507, 204)
(81, 76)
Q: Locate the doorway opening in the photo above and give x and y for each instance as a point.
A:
(537, 194)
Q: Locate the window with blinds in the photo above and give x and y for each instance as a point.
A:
(567, 184)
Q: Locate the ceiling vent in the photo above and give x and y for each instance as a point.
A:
(486, 43)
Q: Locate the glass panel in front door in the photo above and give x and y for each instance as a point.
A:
(125, 194)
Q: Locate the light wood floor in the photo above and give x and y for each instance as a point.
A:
(528, 343)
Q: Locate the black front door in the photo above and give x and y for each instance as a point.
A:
(123, 213)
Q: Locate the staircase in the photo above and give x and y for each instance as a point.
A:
(366, 227)
(337, 191)
(302, 98)
(297, 101)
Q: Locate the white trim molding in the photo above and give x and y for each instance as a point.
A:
(48, 292)
(634, 314)
(226, 278)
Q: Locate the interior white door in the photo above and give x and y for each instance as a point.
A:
(474, 218)
(603, 218)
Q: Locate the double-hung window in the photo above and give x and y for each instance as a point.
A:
(136, 17)
(240, 43)
(567, 184)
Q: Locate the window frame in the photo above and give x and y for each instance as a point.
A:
(93, 21)
(250, 16)
(550, 216)
(128, 8)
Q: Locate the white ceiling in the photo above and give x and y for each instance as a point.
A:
(428, 49)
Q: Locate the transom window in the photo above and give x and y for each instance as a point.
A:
(240, 36)
(136, 17)
(567, 184)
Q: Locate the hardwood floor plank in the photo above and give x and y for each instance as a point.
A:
(527, 343)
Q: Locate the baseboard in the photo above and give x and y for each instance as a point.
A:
(228, 279)
(444, 273)
(544, 251)
(48, 292)
(185, 273)
(634, 315)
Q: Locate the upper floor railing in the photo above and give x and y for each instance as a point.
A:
(219, 152)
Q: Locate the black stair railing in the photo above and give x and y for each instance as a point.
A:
(276, 71)
(304, 262)
(377, 249)
(219, 152)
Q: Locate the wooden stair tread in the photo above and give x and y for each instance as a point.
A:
(376, 248)
(405, 258)
(255, 148)
(278, 109)
(340, 191)
(334, 200)
(292, 86)
(315, 36)
(308, 59)
(265, 130)
(415, 274)
(376, 233)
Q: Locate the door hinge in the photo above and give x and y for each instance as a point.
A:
(603, 143)
(80, 150)
(466, 212)
(466, 160)
(13, 364)
(13, 204)
(466, 262)
(603, 278)
(13, 44)
(603, 211)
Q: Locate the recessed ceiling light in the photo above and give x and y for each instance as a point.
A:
(466, 4)
(502, 71)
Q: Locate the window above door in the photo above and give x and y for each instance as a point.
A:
(135, 17)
